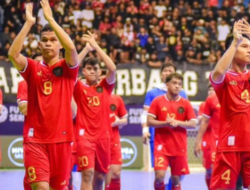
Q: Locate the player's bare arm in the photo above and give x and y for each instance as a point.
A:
(70, 50)
(14, 54)
(152, 121)
(226, 60)
(201, 132)
(184, 124)
(23, 107)
(73, 107)
(120, 122)
(111, 68)
(145, 128)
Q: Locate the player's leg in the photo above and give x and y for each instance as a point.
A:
(60, 165)
(73, 164)
(179, 167)
(98, 181)
(36, 164)
(226, 170)
(207, 164)
(113, 178)
(160, 167)
(245, 173)
(86, 162)
(239, 183)
(102, 162)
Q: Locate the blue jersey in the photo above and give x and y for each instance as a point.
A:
(151, 95)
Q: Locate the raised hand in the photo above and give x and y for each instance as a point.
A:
(237, 31)
(46, 9)
(29, 13)
(90, 38)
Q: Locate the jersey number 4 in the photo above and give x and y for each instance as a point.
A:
(226, 176)
(245, 96)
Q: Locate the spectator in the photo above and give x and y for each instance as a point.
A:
(162, 48)
(87, 16)
(143, 36)
(154, 61)
(223, 30)
(160, 9)
(150, 45)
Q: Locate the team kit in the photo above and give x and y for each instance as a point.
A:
(81, 117)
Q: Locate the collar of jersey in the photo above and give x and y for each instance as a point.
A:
(236, 73)
(179, 97)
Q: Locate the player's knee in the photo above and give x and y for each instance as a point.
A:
(116, 174)
(99, 179)
(175, 180)
(40, 186)
(159, 177)
(87, 176)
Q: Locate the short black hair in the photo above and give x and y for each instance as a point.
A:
(230, 38)
(168, 65)
(46, 28)
(174, 75)
(91, 61)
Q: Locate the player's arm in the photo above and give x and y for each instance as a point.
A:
(190, 124)
(120, 122)
(225, 61)
(73, 107)
(201, 132)
(111, 68)
(14, 54)
(23, 107)
(153, 122)
(70, 50)
(145, 128)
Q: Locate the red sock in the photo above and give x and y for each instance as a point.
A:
(115, 184)
(176, 187)
(159, 186)
(208, 182)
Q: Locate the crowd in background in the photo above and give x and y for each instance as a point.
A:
(147, 32)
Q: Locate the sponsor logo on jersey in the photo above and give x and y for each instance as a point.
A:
(40, 73)
(164, 109)
(233, 82)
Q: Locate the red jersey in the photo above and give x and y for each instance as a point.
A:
(50, 90)
(22, 92)
(233, 96)
(212, 111)
(172, 142)
(118, 109)
(206, 140)
(92, 120)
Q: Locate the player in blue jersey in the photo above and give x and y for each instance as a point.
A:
(148, 132)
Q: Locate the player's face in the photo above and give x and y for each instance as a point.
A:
(242, 54)
(166, 72)
(210, 91)
(49, 45)
(92, 73)
(174, 86)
